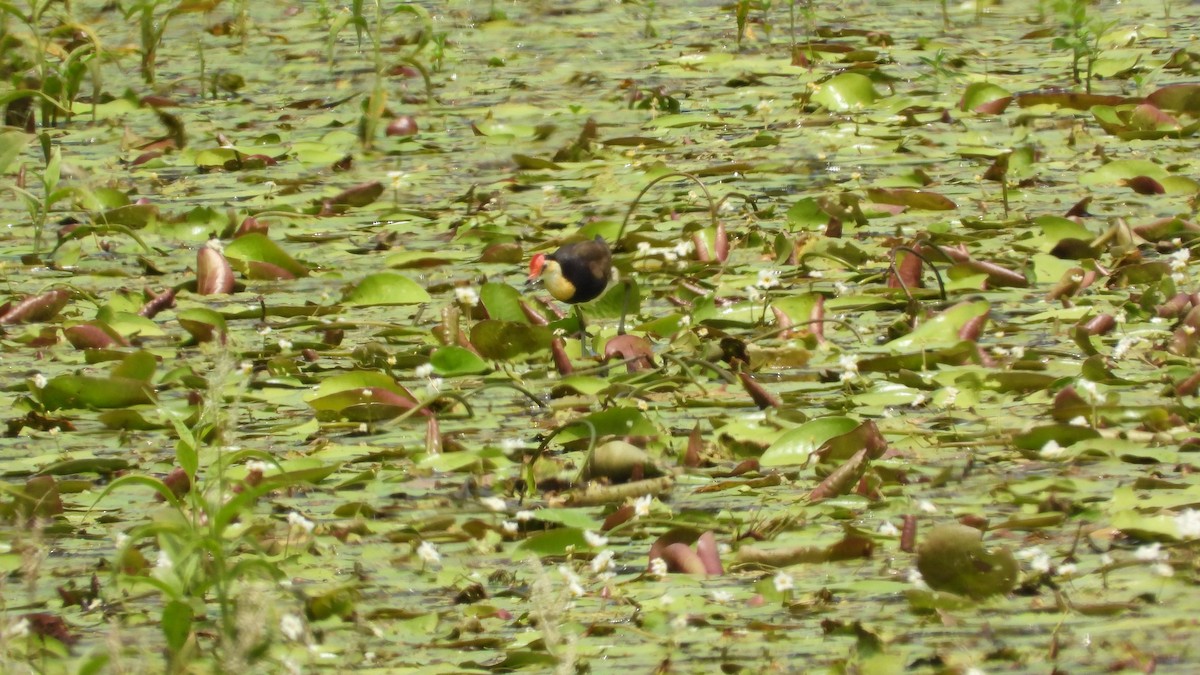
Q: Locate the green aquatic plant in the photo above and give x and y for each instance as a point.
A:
(39, 207)
(208, 544)
(1081, 37)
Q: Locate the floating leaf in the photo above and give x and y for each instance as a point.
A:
(82, 391)
(952, 558)
(913, 199)
(1178, 97)
(556, 542)
(943, 329)
(214, 275)
(502, 302)
(452, 361)
(385, 288)
(1122, 170)
(256, 247)
(846, 91)
(357, 196)
(35, 308)
(618, 462)
(93, 335)
(203, 324)
(506, 340)
(362, 396)
(985, 97)
(797, 446)
(636, 351)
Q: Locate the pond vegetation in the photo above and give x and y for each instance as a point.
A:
(896, 371)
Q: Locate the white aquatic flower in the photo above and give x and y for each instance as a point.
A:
(1067, 570)
(849, 366)
(721, 597)
(1051, 450)
(523, 516)
(40, 381)
(768, 278)
(1089, 388)
(888, 530)
(424, 370)
(509, 527)
(658, 567)
(466, 296)
(17, 629)
(298, 521)
(494, 504)
(603, 562)
(914, 577)
(1039, 560)
(1150, 552)
(783, 582)
(926, 506)
(1163, 569)
(572, 579)
(1188, 523)
(594, 540)
(428, 553)
(1179, 261)
(641, 506)
(684, 248)
(285, 345)
(292, 627)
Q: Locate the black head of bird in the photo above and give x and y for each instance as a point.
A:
(575, 273)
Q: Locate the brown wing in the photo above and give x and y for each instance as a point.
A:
(601, 260)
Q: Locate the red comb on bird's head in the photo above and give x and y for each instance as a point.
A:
(536, 263)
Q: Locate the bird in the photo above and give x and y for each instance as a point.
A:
(575, 273)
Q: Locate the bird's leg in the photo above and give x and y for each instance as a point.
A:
(584, 348)
(624, 306)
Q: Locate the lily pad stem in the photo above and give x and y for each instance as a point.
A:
(936, 274)
(712, 205)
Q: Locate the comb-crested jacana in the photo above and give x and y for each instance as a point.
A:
(575, 273)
